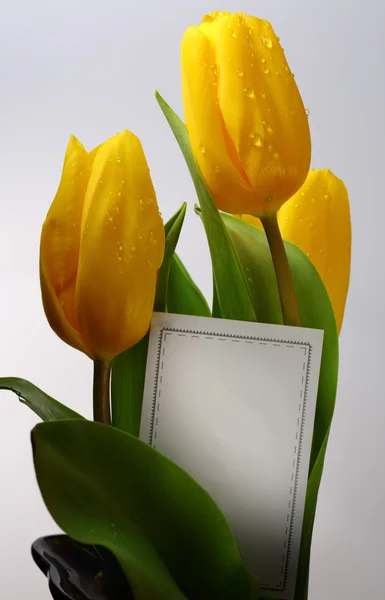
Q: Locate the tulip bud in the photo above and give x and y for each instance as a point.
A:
(247, 125)
(317, 220)
(101, 246)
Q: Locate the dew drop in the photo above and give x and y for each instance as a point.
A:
(100, 181)
(239, 73)
(249, 93)
(119, 193)
(228, 58)
(267, 41)
(132, 248)
(266, 70)
(256, 139)
(296, 205)
(140, 237)
(120, 246)
(263, 59)
(326, 196)
(250, 279)
(276, 156)
(263, 95)
(118, 159)
(109, 218)
(312, 200)
(307, 111)
(119, 256)
(217, 170)
(202, 149)
(233, 34)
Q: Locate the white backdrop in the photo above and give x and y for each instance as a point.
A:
(89, 68)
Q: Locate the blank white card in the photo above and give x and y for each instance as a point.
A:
(233, 404)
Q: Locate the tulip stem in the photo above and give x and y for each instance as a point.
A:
(289, 304)
(102, 372)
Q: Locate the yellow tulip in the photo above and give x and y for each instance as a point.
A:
(317, 219)
(247, 125)
(101, 246)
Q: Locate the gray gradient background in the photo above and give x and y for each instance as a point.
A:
(90, 68)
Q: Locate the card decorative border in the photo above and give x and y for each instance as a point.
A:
(162, 340)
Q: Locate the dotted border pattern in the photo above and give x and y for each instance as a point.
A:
(291, 509)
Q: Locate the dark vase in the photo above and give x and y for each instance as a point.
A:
(79, 572)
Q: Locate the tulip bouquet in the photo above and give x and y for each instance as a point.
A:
(279, 240)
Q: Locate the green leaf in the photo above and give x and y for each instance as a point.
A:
(127, 385)
(172, 228)
(105, 487)
(316, 312)
(129, 367)
(233, 295)
(43, 405)
(184, 297)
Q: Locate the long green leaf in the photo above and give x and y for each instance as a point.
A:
(233, 295)
(315, 312)
(105, 487)
(43, 405)
(172, 228)
(129, 367)
(184, 297)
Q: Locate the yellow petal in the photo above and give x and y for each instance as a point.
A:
(317, 219)
(211, 145)
(254, 114)
(122, 247)
(59, 246)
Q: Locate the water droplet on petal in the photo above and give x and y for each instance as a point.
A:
(296, 205)
(228, 58)
(276, 156)
(312, 200)
(326, 196)
(217, 170)
(250, 279)
(249, 93)
(233, 34)
(266, 70)
(202, 149)
(256, 139)
(118, 159)
(307, 111)
(267, 41)
(239, 72)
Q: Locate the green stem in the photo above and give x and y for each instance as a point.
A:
(102, 372)
(285, 283)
